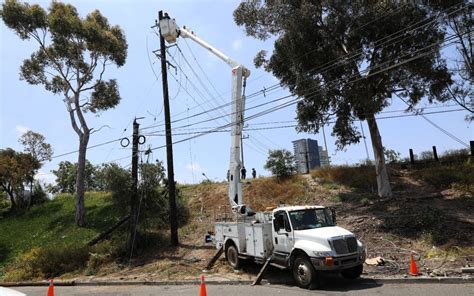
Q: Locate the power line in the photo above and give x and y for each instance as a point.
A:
(222, 129)
(276, 86)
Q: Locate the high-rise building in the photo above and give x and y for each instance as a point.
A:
(323, 157)
(306, 153)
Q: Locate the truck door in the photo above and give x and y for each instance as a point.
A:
(283, 239)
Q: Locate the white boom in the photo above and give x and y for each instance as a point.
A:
(170, 32)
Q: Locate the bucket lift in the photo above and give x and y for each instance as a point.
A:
(170, 32)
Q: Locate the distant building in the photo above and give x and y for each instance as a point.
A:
(323, 157)
(309, 155)
(306, 153)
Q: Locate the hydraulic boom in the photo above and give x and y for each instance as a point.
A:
(171, 32)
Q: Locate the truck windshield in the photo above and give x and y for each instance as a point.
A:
(310, 219)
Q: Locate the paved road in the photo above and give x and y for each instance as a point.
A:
(265, 290)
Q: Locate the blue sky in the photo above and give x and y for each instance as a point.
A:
(24, 106)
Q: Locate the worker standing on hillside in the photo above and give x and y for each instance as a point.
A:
(243, 172)
(254, 173)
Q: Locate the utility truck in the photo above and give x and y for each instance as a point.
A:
(303, 239)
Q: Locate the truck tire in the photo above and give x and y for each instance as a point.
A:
(232, 256)
(352, 273)
(304, 273)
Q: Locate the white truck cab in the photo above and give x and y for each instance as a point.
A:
(304, 239)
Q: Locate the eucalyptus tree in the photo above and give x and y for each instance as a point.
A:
(346, 59)
(72, 56)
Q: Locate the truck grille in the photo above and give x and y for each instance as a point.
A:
(345, 245)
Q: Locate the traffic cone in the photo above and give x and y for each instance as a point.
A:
(413, 268)
(202, 289)
(51, 288)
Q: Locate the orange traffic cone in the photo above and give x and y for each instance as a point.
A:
(51, 288)
(202, 289)
(413, 268)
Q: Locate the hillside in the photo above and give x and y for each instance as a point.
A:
(434, 222)
(51, 226)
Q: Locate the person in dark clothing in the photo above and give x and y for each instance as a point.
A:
(228, 175)
(254, 173)
(243, 172)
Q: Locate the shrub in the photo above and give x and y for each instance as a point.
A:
(39, 195)
(460, 175)
(41, 263)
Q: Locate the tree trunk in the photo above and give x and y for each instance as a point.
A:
(383, 182)
(80, 186)
(11, 196)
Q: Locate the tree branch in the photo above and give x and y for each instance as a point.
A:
(74, 124)
(98, 80)
(57, 65)
(98, 130)
(457, 101)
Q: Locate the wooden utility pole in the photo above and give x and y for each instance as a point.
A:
(169, 142)
(134, 196)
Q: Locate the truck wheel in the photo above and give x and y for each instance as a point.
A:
(353, 273)
(232, 256)
(304, 273)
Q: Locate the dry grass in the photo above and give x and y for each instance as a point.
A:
(357, 177)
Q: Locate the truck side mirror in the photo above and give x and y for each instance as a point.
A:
(333, 214)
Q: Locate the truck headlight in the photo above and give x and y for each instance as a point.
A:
(361, 248)
(322, 254)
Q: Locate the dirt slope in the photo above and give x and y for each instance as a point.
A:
(437, 226)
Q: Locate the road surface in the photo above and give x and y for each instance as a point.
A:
(265, 290)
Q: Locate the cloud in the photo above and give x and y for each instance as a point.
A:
(20, 129)
(194, 167)
(237, 44)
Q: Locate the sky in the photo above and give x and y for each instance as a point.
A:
(29, 107)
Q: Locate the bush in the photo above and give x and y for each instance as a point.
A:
(44, 263)
(39, 195)
(460, 175)
(359, 177)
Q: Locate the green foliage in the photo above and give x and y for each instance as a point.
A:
(51, 225)
(44, 263)
(16, 169)
(153, 200)
(71, 59)
(310, 35)
(34, 144)
(66, 176)
(391, 155)
(38, 195)
(280, 163)
(111, 176)
(360, 177)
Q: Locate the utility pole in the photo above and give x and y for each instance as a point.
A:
(134, 196)
(169, 142)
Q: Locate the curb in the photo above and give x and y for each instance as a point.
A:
(380, 281)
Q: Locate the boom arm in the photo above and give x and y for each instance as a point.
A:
(170, 32)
